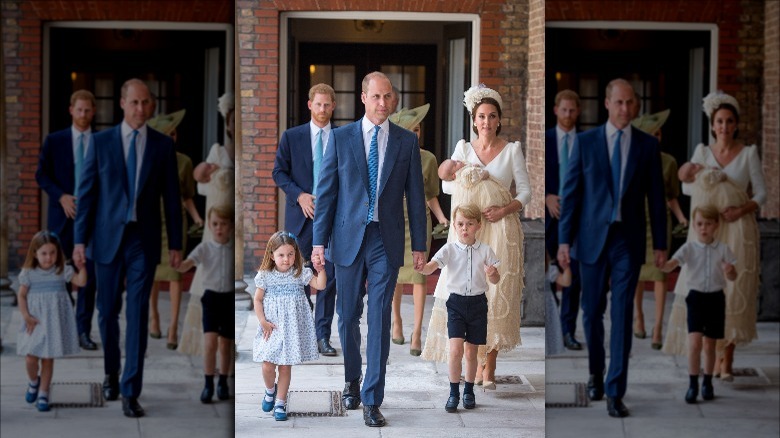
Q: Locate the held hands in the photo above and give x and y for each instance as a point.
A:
(563, 256)
(174, 256)
(306, 201)
(318, 258)
(79, 256)
(267, 327)
(419, 260)
(68, 203)
(660, 258)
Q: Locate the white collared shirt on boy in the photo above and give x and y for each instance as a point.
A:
(705, 273)
(216, 260)
(466, 266)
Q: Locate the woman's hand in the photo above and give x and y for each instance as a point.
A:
(494, 213)
(268, 327)
(731, 214)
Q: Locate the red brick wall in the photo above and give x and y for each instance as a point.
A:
(771, 108)
(22, 32)
(503, 59)
(740, 51)
(535, 106)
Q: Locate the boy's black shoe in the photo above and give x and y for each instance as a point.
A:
(469, 402)
(223, 391)
(690, 396)
(452, 403)
(707, 392)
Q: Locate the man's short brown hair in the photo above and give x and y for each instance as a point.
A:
(82, 95)
(322, 89)
(567, 95)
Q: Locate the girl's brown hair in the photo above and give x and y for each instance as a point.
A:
(39, 239)
(277, 240)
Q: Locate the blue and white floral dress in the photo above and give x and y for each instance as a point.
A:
(55, 335)
(293, 340)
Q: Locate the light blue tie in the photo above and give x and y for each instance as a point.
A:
(564, 162)
(131, 168)
(317, 162)
(615, 167)
(373, 171)
(79, 164)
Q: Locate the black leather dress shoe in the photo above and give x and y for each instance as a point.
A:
(570, 342)
(372, 416)
(111, 387)
(223, 391)
(616, 408)
(595, 388)
(323, 346)
(131, 408)
(707, 392)
(452, 404)
(350, 398)
(690, 396)
(86, 343)
(207, 393)
(469, 402)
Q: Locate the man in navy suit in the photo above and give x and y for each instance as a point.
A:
(368, 167)
(59, 173)
(128, 169)
(558, 144)
(611, 170)
(296, 172)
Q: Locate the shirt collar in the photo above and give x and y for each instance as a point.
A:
(75, 132)
(315, 129)
(367, 125)
(127, 130)
(463, 246)
(560, 132)
(713, 244)
(612, 129)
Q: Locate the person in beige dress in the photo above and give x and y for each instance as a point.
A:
(167, 124)
(411, 119)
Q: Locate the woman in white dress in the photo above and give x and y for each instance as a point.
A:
(216, 181)
(491, 165)
(731, 168)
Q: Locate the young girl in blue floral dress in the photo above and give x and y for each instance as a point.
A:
(286, 335)
(49, 329)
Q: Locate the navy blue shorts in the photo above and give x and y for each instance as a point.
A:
(706, 313)
(467, 318)
(219, 313)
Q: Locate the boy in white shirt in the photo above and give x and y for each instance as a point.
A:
(216, 258)
(471, 265)
(711, 263)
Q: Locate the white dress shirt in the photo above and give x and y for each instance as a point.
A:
(559, 134)
(705, 273)
(75, 134)
(217, 263)
(325, 135)
(466, 266)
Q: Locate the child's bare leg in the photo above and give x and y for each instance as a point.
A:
(283, 384)
(694, 353)
(709, 355)
(209, 353)
(225, 350)
(456, 356)
(31, 364)
(47, 370)
(269, 374)
(398, 329)
(470, 352)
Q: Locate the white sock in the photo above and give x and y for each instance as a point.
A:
(33, 386)
(43, 394)
(280, 402)
(269, 394)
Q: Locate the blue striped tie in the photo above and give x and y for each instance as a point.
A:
(615, 167)
(79, 164)
(373, 171)
(317, 162)
(131, 169)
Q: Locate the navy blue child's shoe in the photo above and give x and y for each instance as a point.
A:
(269, 405)
(32, 391)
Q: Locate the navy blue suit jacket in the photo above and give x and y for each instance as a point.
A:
(56, 176)
(342, 203)
(104, 196)
(293, 173)
(552, 185)
(587, 196)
